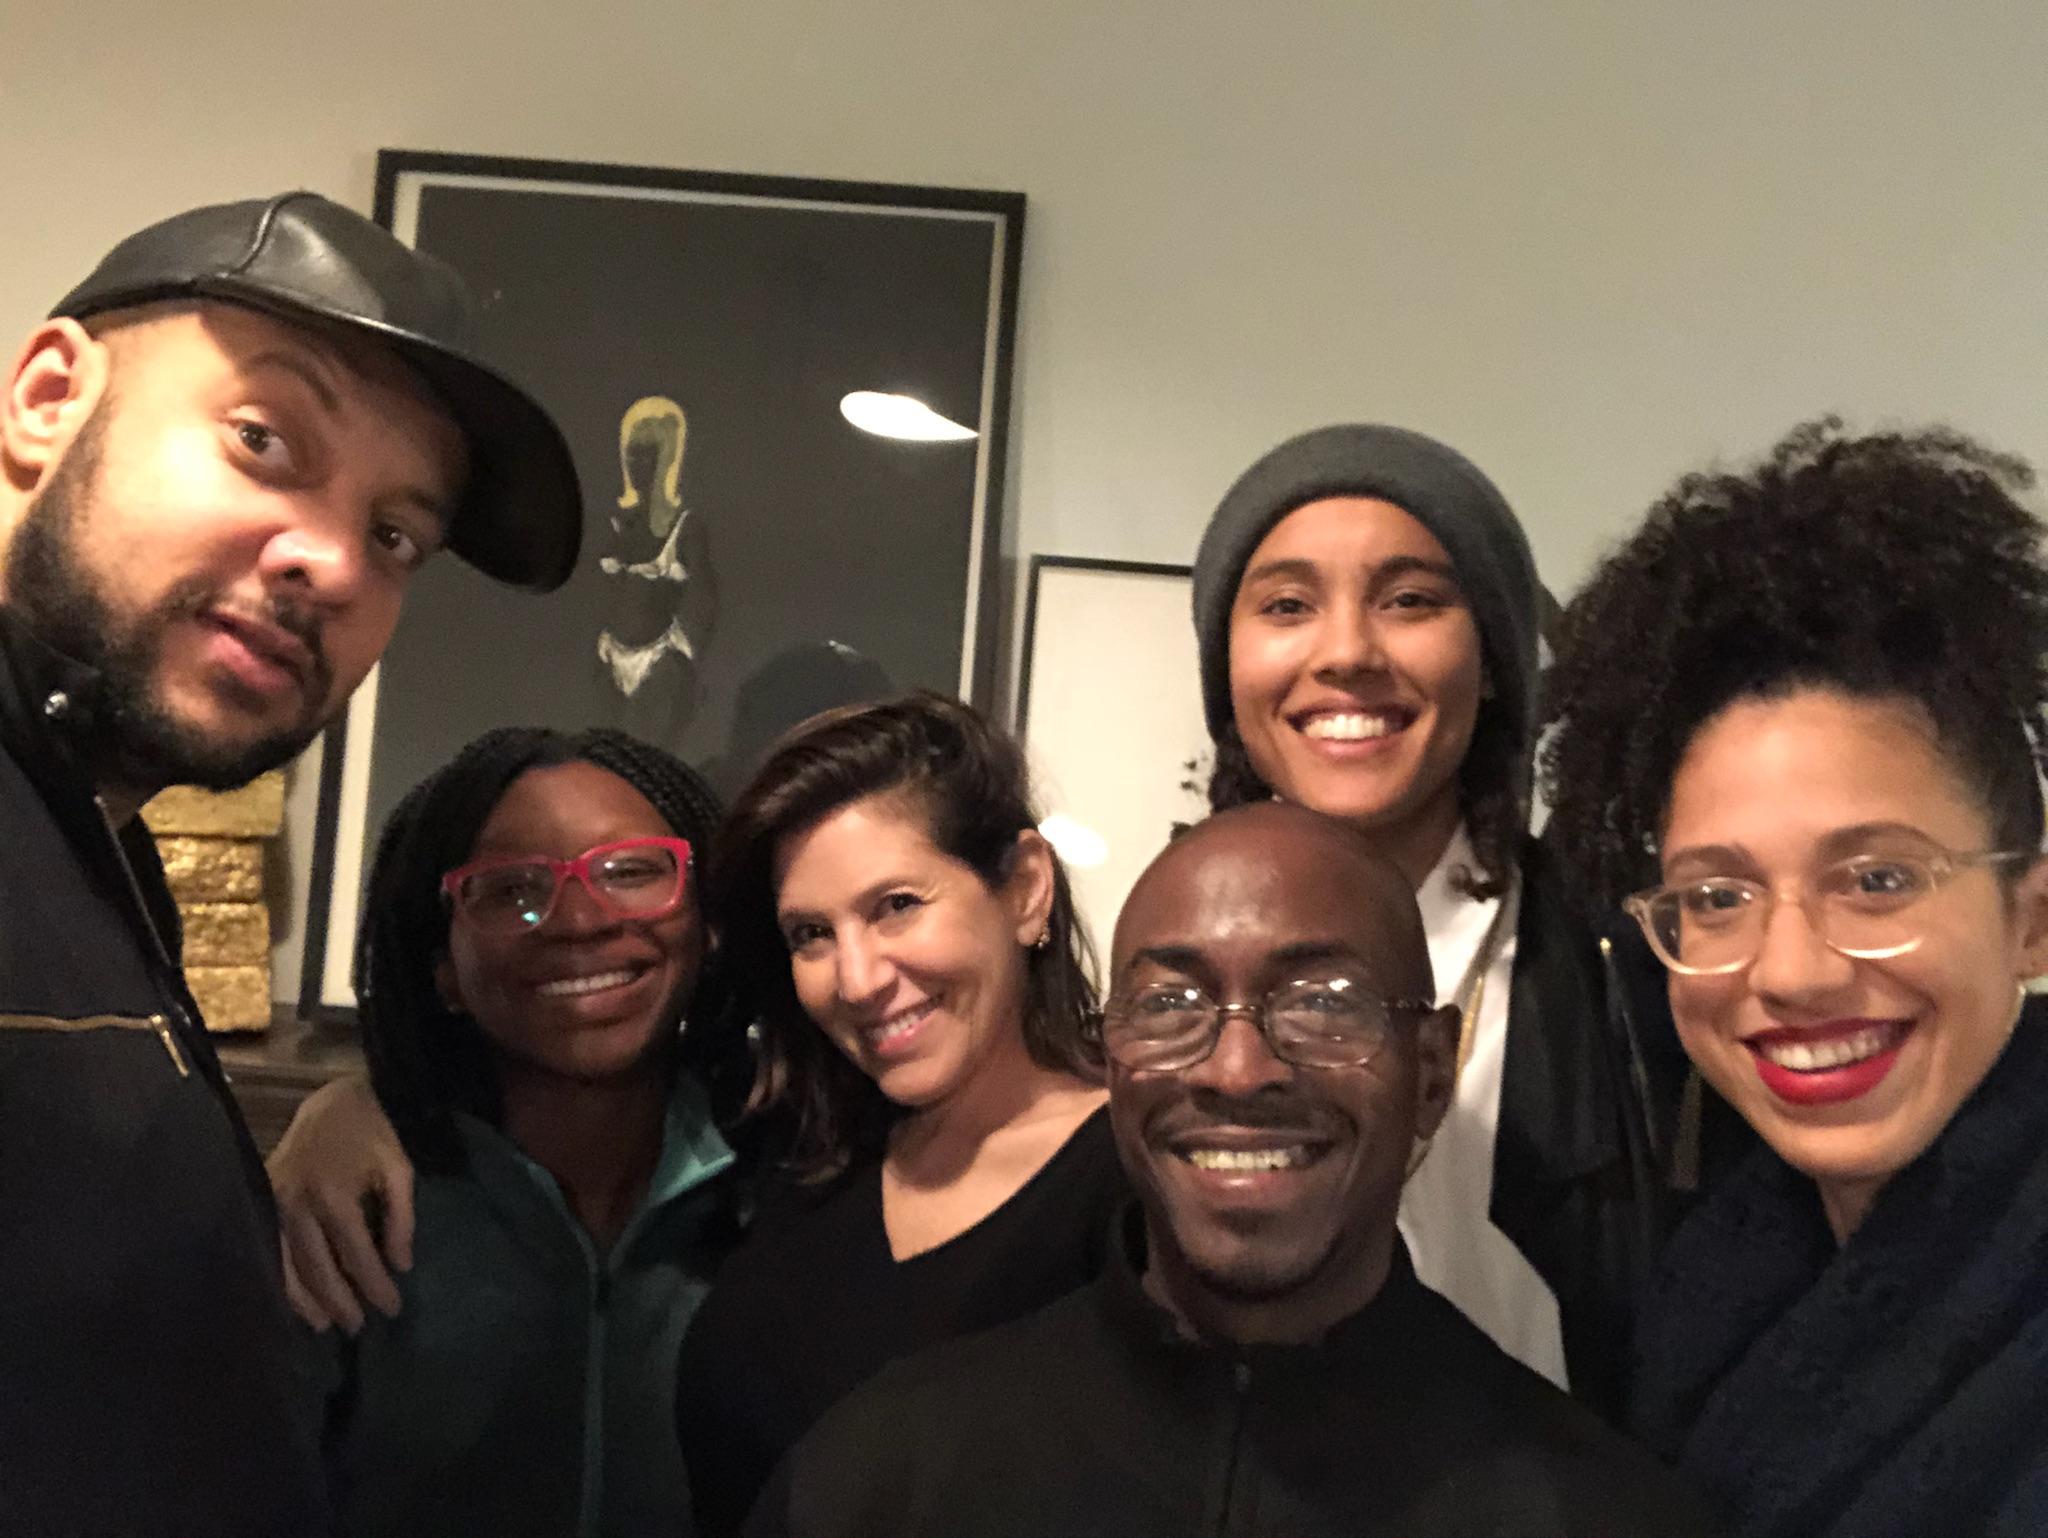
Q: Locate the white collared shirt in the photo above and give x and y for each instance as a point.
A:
(1444, 1210)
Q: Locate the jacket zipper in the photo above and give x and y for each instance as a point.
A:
(1639, 1070)
(156, 938)
(590, 1500)
(1240, 1386)
(165, 1031)
(155, 1023)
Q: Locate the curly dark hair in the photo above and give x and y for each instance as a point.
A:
(1493, 795)
(1897, 565)
(968, 781)
(426, 1061)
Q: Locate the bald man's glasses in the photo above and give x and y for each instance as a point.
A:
(1327, 1022)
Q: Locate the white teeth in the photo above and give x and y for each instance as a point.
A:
(1239, 1160)
(897, 1026)
(1348, 728)
(1815, 1056)
(597, 983)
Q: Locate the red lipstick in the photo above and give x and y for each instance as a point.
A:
(1835, 1084)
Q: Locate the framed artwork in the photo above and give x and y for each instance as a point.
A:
(787, 401)
(1110, 710)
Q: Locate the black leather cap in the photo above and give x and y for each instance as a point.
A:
(301, 257)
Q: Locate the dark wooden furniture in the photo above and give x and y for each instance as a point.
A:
(272, 1073)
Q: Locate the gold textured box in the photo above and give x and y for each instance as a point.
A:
(212, 870)
(226, 934)
(232, 998)
(254, 811)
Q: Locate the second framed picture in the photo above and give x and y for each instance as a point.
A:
(788, 405)
(1110, 710)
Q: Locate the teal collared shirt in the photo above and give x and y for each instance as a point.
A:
(528, 1383)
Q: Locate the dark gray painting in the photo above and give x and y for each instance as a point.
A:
(749, 556)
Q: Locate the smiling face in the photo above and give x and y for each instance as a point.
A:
(1849, 1068)
(1265, 1183)
(586, 996)
(1355, 673)
(229, 533)
(905, 958)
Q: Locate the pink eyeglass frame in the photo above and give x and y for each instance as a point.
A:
(580, 869)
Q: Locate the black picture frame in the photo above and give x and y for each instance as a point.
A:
(731, 312)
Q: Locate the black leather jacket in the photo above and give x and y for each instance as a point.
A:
(144, 1366)
(1588, 1094)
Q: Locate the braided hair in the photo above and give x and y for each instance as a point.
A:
(427, 1061)
(1900, 565)
(967, 782)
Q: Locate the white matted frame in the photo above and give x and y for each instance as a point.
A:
(1109, 707)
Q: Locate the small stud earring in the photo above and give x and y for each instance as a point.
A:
(1044, 940)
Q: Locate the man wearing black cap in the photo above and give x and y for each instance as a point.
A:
(225, 454)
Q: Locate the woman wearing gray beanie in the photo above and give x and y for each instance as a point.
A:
(1368, 613)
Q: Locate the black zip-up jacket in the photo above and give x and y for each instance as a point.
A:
(1095, 1416)
(1589, 1089)
(145, 1367)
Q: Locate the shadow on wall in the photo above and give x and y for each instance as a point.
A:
(792, 686)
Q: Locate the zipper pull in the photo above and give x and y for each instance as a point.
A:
(169, 1038)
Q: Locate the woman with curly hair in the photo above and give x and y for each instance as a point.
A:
(1367, 613)
(1796, 741)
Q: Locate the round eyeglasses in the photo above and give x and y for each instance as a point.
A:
(634, 878)
(1870, 906)
(1330, 1022)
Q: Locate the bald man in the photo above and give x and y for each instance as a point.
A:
(1259, 1358)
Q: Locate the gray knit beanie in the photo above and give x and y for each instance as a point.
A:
(1437, 486)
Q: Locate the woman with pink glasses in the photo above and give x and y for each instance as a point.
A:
(538, 1005)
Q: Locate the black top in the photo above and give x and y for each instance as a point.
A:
(1097, 1416)
(144, 1342)
(814, 1306)
(1892, 1386)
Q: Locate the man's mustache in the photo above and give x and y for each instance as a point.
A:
(1275, 1110)
(299, 620)
(305, 623)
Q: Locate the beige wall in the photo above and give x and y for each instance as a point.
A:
(1588, 243)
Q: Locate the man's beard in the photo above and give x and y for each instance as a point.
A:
(130, 738)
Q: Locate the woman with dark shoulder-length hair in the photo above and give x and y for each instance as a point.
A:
(538, 1003)
(922, 1000)
(1796, 740)
(1368, 617)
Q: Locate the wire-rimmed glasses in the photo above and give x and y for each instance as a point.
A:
(1325, 1022)
(1869, 906)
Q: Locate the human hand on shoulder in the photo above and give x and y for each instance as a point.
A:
(345, 1206)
